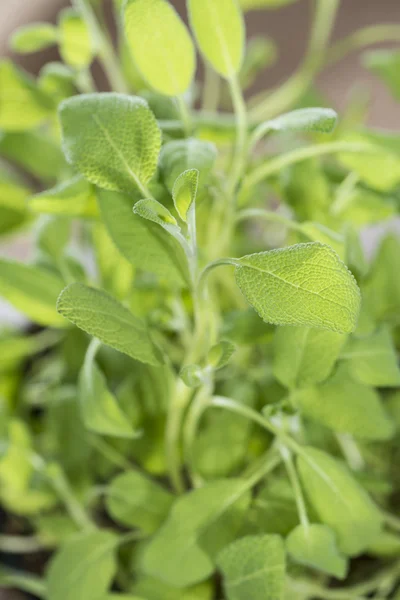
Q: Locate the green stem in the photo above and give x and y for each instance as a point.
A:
(211, 89)
(185, 115)
(288, 93)
(178, 406)
(392, 521)
(268, 215)
(197, 408)
(110, 453)
(295, 483)
(25, 582)
(65, 493)
(361, 38)
(239, 158)
(273, 166)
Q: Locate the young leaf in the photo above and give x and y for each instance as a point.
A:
(254, 567)
(179, 156)
(152, 24)
(95, 140)
(72, 198)
(22, 104)
(99, 407)
(373, 360)
(199, 525)
(315, 546)
(321, 120)
(305, 356)
(32, 290)
(101, 316)
(57, 80)
(134, 500)
(305, 284)
(142, 242)
(220, 33)
(220, 354)
(157, 213)
(347, 407)
(192, 375)
(76, 46)
(83, 567)
(339, 501)
(184, 192)
(52, 236)
(34, 37)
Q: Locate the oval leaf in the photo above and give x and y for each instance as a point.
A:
(34, 37)
(184, 192)
(305, 284)
(157, 213)
(178, 156)
(76, 47)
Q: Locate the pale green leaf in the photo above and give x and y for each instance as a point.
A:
(72, 198)
(99, 408)
(20, 580)
(192, 375)
(97, 313)
(96, 143)
(32, 290)
(142, 242)
(305, 356)
(13, 193)
(83, 567)
(321, 120)
(199, 525)
(373, 360)
(339, 501)
(258, 4)
(315, 546)
(57, 80)
(184, 192)
(15, 347)
(178, 156)
(220, 354)
(220, 33)
(52, 236)
(22, 104)
(386, 64)
(386, 545)
(346, 406)
(156, 212)
(316, 232)
(261, 52)
(153, 589)
(117, 273)
(254, 567)
(76, 46)
(134, 500)
(305, 284)
(160, 45)
(34, 37)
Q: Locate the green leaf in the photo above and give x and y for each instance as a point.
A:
(179, 156)
(152, 24)
(315, 232)
(101, 316)
(184, 192)
(254, 567)
(13, 193)
(153, 589)
(72, 198)
(22, 104)
(261, 52)
(76, 46)
(305, 284)
(134, 500)
(373, 360)
(220, 33)
(142, 242)
(153, 211)
(386, 64)
(57, 80)
(32, 290)
(199, 525)
(315, 546)
(96, 143)
(99, 408)
(339, 501)
(34, 37)
(192, 375)
(346, 406)
(84, 567)
(258, 4)
(52, 236)
(305, 356)
(116, 272)
(321, 120)
(220, 354)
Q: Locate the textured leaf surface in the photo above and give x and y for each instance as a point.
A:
(346, 406)
(111, 139)
(32, 290)
(83, 567)
(305, 284)
(184, 192)
(305, 356)
(339, 501)
(199, 525)
(136, 501)
(178, 156)
(315, 546)
(99, 407)
(72, 198)
(34, 37)
(322, 120)
(142, 242)
(160, 45)
(100, 315)
(157, 213)
(254, 567)
(220, 33)
(153, 589)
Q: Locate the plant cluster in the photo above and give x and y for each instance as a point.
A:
(206, 404)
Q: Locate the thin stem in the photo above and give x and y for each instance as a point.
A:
(66, 494)
(392, 521)
(232, 262)
(278, 163)
(109, 453)
(179, 404)
(25, 582)
(351, 451)
(295, 483)
(197, 408)
(211, 89)
(239, 158)
(268, 215)
(185, 115)
(15, 544)
(361, 38)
